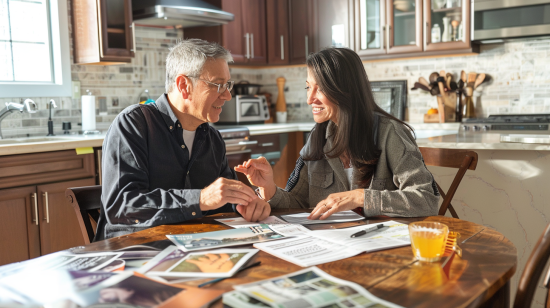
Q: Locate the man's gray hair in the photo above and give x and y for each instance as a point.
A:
(188, 58)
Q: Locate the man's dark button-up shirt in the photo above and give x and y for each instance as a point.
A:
(148, 177)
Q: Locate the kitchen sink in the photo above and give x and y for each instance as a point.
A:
(33, 140)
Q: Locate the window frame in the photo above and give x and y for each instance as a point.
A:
(60, 57)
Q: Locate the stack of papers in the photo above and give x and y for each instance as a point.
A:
(301, 218)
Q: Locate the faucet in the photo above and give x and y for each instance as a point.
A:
(50, 122)
(12, 107)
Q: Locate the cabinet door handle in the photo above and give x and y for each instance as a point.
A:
(47, 218)
(388, 37)
(35, 220)
(307, 46)
(282, 48)
(133, 38)
(246, 36)
(252, 45)
(426, 31)
(267, 144)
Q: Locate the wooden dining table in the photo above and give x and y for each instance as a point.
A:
(480, 278)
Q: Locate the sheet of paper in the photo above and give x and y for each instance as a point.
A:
(290, 229)
(239, 222)
(301, 218)
(318, 247)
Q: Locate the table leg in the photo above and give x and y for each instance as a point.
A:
(500, 299)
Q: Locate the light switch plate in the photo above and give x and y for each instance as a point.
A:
(75, 85)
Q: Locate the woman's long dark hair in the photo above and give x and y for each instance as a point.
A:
(341, 76)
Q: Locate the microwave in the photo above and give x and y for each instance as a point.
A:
(249, 109)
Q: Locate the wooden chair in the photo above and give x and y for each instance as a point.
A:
(528, 283)
(451, 158)
(86, 202)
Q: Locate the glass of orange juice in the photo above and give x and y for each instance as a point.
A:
(428, 240)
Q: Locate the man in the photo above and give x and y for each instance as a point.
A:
(163, 163)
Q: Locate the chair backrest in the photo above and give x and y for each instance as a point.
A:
(86, 202)
(528, 283)
(463, 160)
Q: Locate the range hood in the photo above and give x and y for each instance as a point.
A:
(178, 13)
(497, 21)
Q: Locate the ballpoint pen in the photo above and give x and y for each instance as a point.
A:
(367, 230)
(220, 279)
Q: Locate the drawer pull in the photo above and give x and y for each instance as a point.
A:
(47, 218)
(35, 208)
(251, 142)
(267, 144)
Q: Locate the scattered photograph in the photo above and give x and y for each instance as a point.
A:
(303, 277)
(215, 263)
(343, 291)
(283, 283)
(325, 284)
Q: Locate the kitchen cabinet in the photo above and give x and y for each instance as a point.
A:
(35, 217)
(245, 36)
(302, 30)
(335, 25)
(396, 28)
(103, 31)
(446, 14)
(277, 31)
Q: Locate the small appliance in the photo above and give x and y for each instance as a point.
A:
(250, 109)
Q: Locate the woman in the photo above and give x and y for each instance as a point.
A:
(358, 157)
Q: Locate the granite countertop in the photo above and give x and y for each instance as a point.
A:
(445, 137)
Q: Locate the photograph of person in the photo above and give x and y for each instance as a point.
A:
(209, 263)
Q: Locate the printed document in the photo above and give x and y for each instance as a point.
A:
(318, 247)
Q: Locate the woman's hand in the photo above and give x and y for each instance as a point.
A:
(259, 173)
(338, 202)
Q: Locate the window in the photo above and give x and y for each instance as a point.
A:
(34, 48)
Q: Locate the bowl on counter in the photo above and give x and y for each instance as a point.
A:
(404, 5)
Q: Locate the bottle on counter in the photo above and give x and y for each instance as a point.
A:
(436, 34)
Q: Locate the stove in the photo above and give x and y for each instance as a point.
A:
(508, 124)
(236, 139)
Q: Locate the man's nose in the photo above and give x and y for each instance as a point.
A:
(226, 95)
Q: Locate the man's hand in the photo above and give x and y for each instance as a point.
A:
(338, 202)
(224, 191)
(256, 210)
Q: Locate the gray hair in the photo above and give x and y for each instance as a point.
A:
(188, 58)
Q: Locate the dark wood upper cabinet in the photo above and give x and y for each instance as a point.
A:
(254, 25)
(370, 23)
(277, 31)
(455, 12)
(302, 25)
(103, 31)
(244, 37)
(404, 26)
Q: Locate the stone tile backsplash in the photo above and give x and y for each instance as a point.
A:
(520, 72)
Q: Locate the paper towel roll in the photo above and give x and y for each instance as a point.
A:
(88, 112)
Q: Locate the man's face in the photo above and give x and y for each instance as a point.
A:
(205, 101)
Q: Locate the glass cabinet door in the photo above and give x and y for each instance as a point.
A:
(404, 26)
(447, 24)
(369, 34)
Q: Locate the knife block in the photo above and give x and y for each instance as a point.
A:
(446, 109)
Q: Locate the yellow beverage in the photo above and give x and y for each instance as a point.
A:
(428, 240)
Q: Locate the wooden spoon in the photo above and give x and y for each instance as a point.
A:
(433, 77)
(418, 85)
(479, 80)
(463, 76)
(442, 73)
(448, 79)
(424, 82)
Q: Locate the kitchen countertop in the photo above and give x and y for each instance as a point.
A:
(446, 137)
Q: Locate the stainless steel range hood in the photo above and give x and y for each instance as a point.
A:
(178, 13)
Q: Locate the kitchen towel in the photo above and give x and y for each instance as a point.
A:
(88, 112)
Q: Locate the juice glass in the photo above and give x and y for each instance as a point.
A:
(428, 240)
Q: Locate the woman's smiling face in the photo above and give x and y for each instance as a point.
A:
(323, 109)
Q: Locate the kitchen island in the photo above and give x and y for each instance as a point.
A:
(508, 191)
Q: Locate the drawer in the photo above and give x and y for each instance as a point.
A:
(266, 143)
(41, 168)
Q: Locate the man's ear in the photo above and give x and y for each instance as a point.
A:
(184, 86)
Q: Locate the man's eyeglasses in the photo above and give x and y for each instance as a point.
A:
(221, 87)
